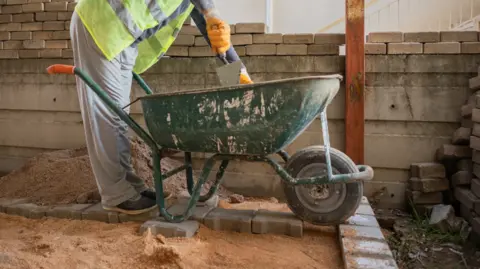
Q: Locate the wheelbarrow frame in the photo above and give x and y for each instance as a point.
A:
(365, 172)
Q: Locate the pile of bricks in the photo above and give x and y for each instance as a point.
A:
(450, 42)
(426, 186)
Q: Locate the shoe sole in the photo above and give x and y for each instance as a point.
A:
(130, 212)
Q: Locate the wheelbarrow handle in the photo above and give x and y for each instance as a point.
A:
(61, 69)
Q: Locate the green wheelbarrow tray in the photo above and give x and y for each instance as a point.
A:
(248, 122)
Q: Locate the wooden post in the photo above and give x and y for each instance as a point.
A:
(355, 80)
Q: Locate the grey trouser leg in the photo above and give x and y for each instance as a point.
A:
(105, 133)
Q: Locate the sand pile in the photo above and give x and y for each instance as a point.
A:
(65, 176)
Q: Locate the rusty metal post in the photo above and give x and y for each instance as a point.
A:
(355, 80)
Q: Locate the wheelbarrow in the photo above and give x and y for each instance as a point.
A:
(252, 123)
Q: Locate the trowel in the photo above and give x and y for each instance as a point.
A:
(229, 74)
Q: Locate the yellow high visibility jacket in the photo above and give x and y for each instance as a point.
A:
(116, 24)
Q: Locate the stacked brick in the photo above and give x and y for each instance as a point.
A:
(426, 186)
(35, 29)
(450, 42)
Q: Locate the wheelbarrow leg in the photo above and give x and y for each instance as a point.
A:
(189, 172)
(218, 179)
(326, 142)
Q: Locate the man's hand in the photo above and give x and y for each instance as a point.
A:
(219, 34)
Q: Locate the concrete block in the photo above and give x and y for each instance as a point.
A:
(428, 170)
(466, 213)
(335, 39)
(442, 48)
(26, 210)
(9, 27)
(5, 36)
(461, 136)
(21, 35)
(29, 54)
(420, 198)
(241, 39)
(261, 49)
(200, 41)
(184, 229)
(405, 48)
(32, 26)
(385, 37)
(56, 44)
(61, 35)
(51, 53)
(475, 142)
(46, 16)
(13, 9)
(284, 223)
(362, 220)
(428, 185)
(465, 165)
(461, 178)
(72, 211)
(241, 50)
(291, 49)
(369, 262)
(42, 35)
(442, 216)
(323, 49)
(267, 38)
(176, 51)
(353, 231)
(474, 84)
(250, 28)
(32, 7)
(199, 213)
(475, 187)
(466, 110)
(64, 16)
(9, 54)
(449, 152)
(476, 170)
(184, 40)
(466, 197)
(4, 202)
(200, 52)
(357, 247)
(365, 209)
(96, 212)
(71, 6)
(230, 220)
(298, 38)
(476, 115)
(190, 30)
(459, 36)
(475, 157)
(422, 37)
(476, 225)
(16, 2)
(471, 48)
(467, 123)
(4, 18)
(56, 6)
(34, 44)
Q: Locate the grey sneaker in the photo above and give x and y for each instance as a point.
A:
(134, 206)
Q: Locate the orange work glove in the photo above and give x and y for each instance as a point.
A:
(245, 79)
(219, 34)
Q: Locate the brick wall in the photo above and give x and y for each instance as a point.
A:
(416, 84)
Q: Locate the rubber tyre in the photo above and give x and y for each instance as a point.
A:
(340, 162)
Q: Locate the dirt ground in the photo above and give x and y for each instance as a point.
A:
(49, 243)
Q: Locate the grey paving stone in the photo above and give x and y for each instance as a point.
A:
(353, 231)
(26, 210)
(221, 219)
(365, 209)
(184, 229)
(199, 213)
(363, 246)
(71, 211)
(364, 201)
(7, 201)
(96, 212)
(362, 262)
(362, 220)
(271, 222)
(184, 197)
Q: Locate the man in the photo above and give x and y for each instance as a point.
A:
(110, 39)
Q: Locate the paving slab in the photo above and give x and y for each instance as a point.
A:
(96, 212)
(71, 211)
(184, 197)
(272, 222)
(362, 220)
(187, 228)
(221, 219)
(356, 246)
(365, 209)
(199, 212)
(362, 262)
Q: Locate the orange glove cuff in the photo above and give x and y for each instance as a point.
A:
(244, 79)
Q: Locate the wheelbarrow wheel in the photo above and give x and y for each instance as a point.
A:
(322, 204)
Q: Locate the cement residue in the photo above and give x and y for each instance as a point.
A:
(65, 176)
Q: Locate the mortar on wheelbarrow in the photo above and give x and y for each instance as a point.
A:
(250, 123)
